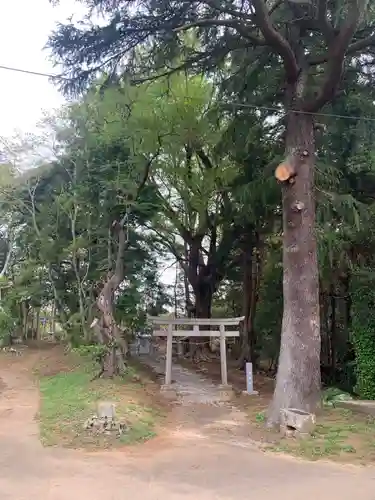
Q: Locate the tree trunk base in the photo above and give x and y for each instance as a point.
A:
(113, 364)
(199, 353)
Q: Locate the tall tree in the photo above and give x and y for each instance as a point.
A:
(311, 44)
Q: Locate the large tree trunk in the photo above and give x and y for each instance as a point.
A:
(203, 301)
(298, 375)
(251, 278)
(24, 315)
(199, 346)
(106, 328)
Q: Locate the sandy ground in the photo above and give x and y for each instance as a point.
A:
(185, 465)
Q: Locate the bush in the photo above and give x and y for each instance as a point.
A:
(363, 333)
(96, 352)
(333, 394)
(7, 325)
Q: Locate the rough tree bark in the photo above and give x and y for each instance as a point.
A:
(298, 376)
(202, 278)
(199, 346)
(106, 328)
(251, 281)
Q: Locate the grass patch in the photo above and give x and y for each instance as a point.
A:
(69, 398)
(340, 435)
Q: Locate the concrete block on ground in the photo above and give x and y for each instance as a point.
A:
(296, 423)
(246, 394)
(169, 391)
(360, 406)
(226, 392)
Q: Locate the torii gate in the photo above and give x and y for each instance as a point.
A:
(173, 331)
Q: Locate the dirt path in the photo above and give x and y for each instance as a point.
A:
(192, 465)
(200, 409)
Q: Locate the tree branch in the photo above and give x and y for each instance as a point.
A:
(240, 27)
(226, 10)
(324, 24)
(275, 6)
(141, 185)
(352, 49)
(173, 217)
(275, 40)
(204, 159)
(336, 54)
(361, 44)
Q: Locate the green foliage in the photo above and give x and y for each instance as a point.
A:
(363, 331)
(95, 352)
(7, 325)
(269, 311)
(333, 394)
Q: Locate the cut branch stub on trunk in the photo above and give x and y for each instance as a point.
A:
(285, 172)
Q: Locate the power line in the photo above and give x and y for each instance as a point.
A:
(233, 104)
(278, 110)
(28, 72)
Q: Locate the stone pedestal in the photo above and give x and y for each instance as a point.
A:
(169, 391)
(296, 423)
(249, 394)
(226, 392)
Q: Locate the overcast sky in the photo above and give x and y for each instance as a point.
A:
(25, 26)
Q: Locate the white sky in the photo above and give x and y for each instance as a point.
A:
(24, 31)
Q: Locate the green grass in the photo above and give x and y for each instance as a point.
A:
(68, 399)
(340, 435)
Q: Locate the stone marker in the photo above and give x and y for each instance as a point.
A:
(249, 382)
(105, 421)
(226, 392)
(106, 410)
(296, 423)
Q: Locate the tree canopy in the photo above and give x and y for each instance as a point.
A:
(184, 114)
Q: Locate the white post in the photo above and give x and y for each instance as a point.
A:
(249, 378)
(168, 357)
(223, 356)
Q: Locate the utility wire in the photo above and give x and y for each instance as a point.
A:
(233, 104)
(28, 72)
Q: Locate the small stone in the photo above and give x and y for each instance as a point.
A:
(105, 426)
(122, 427)
(106, 410)
(90, 423)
